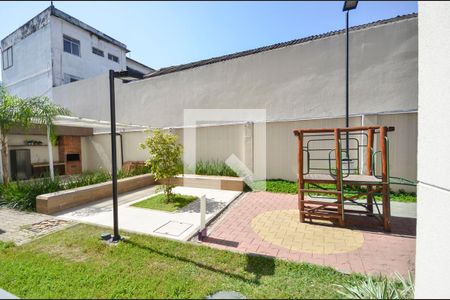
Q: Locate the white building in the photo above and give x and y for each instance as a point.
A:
(53, 49)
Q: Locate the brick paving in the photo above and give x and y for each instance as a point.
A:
(21, 227)
(261, 223)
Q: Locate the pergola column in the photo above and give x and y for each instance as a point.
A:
(50, 154)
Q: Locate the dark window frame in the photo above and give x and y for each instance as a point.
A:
(71, 42)
(113, 58)
(98, 52)
(5, 53)
(69, 78)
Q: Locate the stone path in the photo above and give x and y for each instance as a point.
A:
(267, 223)
(20, 227)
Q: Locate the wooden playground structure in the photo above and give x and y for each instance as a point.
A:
(339, 186)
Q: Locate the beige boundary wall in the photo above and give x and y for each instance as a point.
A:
(219, 142)
(305, 80)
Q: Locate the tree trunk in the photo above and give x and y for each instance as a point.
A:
(5, 163)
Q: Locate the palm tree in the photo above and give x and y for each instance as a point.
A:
(43, 113)
(14, 111)
(17, 112)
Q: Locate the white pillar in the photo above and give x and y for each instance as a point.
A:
(202, 212)
(50, 154)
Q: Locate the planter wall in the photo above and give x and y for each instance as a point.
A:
(58, 201)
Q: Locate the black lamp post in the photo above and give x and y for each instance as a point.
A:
(126, 76)
(348, 5)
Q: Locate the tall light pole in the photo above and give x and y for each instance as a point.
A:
(126, 76)
(348, 5)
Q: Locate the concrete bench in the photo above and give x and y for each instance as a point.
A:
(209, 182)
(58, 201)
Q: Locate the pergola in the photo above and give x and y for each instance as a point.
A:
(67, 125)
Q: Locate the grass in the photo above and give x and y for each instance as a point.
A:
(159, 202)
(5, 245)
(290, 187)
(74, 263)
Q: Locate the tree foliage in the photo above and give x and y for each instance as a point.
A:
(23, 113)
(165, 158)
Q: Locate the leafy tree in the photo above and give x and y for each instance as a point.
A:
(165, 158)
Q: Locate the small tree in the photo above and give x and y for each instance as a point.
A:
(165, 158)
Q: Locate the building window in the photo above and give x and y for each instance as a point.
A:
(98, 52)
(71, 78)
(71, 45)
(7, 58)
(113, 58)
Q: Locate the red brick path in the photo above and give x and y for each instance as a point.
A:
(381, 252)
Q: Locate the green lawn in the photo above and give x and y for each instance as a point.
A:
(290, 187)
(74, 263)
(159, 202)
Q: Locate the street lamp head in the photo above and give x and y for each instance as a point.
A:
(128, 75)
(349, 5)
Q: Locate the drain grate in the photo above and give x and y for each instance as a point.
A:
(173, 228)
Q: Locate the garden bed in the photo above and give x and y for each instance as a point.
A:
(159, 202)
(291, 187)
(61, 200)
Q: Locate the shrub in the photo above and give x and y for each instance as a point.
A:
(214, 167)
(165, 158)
(22, 195)
(87, 178)
(135, 171)
(380, 289)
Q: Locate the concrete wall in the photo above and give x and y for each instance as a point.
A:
(219, 142)
(96, 151)
(39, 154)
(300, 81)
(86, 65)
(30, 74)
(433, 222)
(39, 62)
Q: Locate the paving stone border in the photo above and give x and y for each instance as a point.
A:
(21, 227)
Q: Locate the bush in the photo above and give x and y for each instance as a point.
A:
(215, 168)
(86, 179)
(380, 289)
(135, 171)
(22, 194)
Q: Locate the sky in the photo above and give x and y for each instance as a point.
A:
(162, 34)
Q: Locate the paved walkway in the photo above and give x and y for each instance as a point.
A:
(20, 227)
(179, 225)
(267, 223)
